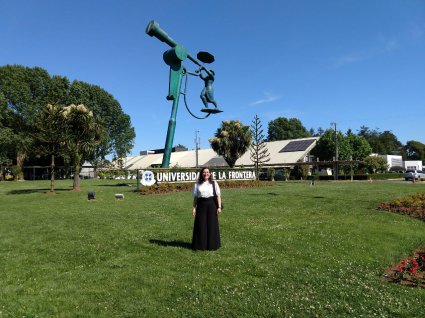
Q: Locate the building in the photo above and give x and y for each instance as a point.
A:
(393, 161)
(413, 165)
(283, 153)
(397, 161)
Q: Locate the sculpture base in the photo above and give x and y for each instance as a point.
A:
(211, 110)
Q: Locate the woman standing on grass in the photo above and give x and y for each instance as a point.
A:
(206, 233)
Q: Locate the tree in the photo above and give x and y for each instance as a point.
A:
(25, 90)
(231, 141)
(415, 150)
(6, 136)
(283, 128)
(119, 132)
(325, 148)
(374, 164)
(49, 136)
(360, 148)
(385, 143)
(350, 147)
(259, 152)
(82, 134)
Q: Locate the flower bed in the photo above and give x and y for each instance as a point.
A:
(409, 271)
(188, 186)
(412, 205)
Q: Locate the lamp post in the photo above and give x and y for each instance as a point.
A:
(336, 151)
(197, 142)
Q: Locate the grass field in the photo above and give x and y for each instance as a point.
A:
(291, 250)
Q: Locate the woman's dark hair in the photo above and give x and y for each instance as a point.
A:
(201, 179)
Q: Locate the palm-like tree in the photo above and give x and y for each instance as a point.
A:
(82, 134)
(231, 141)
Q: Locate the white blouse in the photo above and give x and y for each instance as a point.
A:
(205, 189)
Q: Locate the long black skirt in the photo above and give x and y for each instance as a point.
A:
(206, 233)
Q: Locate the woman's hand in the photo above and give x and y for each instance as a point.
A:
(218, 211)
(194, 212)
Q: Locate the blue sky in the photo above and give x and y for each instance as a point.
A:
(353, 62)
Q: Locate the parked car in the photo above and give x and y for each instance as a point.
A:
(417, 174)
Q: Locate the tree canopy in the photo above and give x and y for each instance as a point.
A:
(415, 150)
(231, 141)
(384, 143)
(82, 134)
(283, 128)
(374, 164)
(25, 92)
(350, 146)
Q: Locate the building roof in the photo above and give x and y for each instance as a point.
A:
(282, 152)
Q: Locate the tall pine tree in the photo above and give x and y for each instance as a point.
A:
(259, 152)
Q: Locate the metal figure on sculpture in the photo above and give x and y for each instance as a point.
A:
(207, 94)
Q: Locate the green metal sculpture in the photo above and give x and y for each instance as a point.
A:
(207, 94)
(174, 58)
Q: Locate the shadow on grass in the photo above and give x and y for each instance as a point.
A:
(117, 185)
(28, 191)
(180, 244)
(260, 194)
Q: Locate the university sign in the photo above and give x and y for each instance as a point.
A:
(149, 178)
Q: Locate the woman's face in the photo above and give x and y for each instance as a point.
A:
(206, 174)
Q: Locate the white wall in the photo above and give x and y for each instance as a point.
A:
(393, 161)
(413, 165)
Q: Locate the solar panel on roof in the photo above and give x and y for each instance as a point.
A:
(297, 145)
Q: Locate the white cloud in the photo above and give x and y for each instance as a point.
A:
(384, 46)
(269, 98)
(348, 59)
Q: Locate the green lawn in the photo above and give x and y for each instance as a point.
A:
(291, 250)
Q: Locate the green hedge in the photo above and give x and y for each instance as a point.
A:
(374, 176)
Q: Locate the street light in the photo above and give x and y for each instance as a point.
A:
(336, 151)
(197, 147)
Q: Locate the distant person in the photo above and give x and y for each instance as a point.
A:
(207, 94)
(206, 233)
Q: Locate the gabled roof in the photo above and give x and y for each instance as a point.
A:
(281, 152)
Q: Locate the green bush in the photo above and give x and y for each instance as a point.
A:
(16, 171)
(386, 176)
(397, 169)
(374, 176)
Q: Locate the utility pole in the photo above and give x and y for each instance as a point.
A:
(336, 152)
(197, 145)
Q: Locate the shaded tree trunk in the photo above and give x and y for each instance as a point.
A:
(52, 174)
(77, 169)
(20, 157)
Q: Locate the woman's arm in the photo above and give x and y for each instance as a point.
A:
(195, 199)
(219, 204)
(218, 194)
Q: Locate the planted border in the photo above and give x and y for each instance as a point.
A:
(409, 271)
(188, 186)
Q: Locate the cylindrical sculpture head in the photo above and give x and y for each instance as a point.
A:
(175, 55)
(153, 29)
